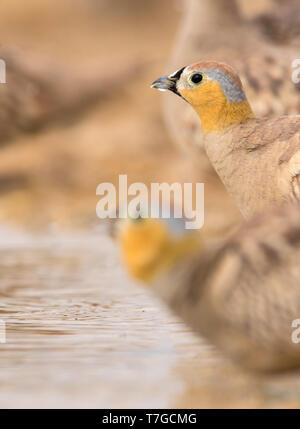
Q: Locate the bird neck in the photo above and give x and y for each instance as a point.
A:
(215, 118)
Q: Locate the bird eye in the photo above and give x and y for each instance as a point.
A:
(196, 78)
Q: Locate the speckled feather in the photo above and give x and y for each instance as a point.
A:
(243, 294)
(259, 162)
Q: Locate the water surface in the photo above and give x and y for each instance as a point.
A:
(81, 334)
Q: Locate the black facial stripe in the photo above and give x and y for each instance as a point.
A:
(177, 75)
(173, 88)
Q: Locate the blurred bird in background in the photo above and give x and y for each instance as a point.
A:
(258, 160)
(40, 92)
(241, 294)
(280, 21)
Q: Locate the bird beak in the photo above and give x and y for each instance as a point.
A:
(166, 83)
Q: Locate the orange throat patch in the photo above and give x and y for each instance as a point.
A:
(214, 111)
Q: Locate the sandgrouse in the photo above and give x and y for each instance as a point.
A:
(264, 66)
(258, 160)
(242, 294)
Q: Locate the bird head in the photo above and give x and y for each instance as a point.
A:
(213, 89)
(151, 247)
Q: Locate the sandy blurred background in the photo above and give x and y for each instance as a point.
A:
(90, 114)
(76, 111)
